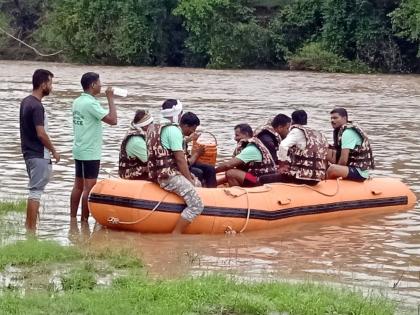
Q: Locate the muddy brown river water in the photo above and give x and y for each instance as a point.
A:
(379, 251)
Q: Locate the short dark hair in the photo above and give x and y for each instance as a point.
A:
(245, 129)
(299, 117)
(139, 115)
(169, 103)
(88, 78)
(280, 120)
(189, 119)
(340, 111)
(41, 76)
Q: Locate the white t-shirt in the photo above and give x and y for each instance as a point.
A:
(295, 137)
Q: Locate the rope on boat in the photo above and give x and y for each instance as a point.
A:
(318, 191)
(268, 188)
(33, 48)
(247, 192)
(115, 220)
(108, 173)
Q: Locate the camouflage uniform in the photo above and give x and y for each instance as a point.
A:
(132, 167)
(181, 186)
(163, 169)
(309, 163)
(266, 166)
(273, 144)
(161, 161)
(361, 156)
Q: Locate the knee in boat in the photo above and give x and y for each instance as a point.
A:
(332, 171)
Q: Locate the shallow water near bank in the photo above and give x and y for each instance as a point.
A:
(377, 250)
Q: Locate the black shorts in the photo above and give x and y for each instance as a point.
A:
(355, 175)
(87, 169)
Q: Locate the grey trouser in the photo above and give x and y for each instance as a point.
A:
(181, 186)
(39, 172)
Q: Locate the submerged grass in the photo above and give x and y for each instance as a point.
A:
(10, 214)
(7, 206)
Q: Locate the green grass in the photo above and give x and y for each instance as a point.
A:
(119, 259)
(32, 252)
(7, 206)
(79, 279)
(205, 295)
(131, 292)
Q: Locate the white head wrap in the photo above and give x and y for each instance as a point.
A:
(173, 112)
(146, 120)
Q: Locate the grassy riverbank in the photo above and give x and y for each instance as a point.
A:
(44, 277)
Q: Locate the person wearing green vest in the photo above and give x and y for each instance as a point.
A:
(88, 115)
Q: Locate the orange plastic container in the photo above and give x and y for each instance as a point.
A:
(209, 141)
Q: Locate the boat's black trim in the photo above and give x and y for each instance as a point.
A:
(255, 214)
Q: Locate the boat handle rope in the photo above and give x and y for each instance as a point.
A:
(227, 191)
(318, 191)
(115, 220)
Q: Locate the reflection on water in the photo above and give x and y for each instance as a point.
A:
(379, 250)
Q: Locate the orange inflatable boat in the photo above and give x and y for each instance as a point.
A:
(144, 207)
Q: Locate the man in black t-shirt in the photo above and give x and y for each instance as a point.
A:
(35, 143)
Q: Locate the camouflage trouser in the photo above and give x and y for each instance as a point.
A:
(181, 186)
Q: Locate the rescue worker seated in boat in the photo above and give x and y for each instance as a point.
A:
(302, 152)
(133, 152)
(206, 173)
(168, 165)
(252, 159)
(270, 137)
(242, 132)
(351, 153)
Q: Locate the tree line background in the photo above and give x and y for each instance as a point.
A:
(320, 35)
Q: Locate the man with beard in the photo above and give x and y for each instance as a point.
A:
(351, 154)
(35, 143)
(88, 115)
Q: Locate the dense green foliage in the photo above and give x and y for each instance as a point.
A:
(355, 35)
(406, 21)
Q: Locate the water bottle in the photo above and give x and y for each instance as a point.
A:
(120, 92)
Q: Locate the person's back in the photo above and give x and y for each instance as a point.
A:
(133, 152)
(309, 162)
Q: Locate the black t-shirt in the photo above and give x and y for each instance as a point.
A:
(31, 115)
(270, 143)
